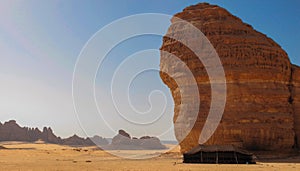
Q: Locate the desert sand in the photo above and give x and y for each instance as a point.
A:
(41, 156)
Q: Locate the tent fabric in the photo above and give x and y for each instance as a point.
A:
(218, 154)
(215, 148)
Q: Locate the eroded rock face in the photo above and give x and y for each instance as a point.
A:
(295, 100)
(262, 85)
(123, 141)
(11, 131)
(77, 141)
(99, 140)
(48, 136)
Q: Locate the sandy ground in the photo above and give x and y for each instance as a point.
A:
(25, 156)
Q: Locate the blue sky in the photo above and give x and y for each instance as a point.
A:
(41, 40)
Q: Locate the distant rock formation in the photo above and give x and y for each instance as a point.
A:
(124, 134)
(76, 140)
(263, 101)
(123, 138)
(98, 140)
(48, 136)
(123, 141)
(11, 131)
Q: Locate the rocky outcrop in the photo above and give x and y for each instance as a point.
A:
(99, 140)
(124, 134)
(123, 141)
(295, 100)
(262, 105)
(78, 141)
(11, 131)
(48, 136)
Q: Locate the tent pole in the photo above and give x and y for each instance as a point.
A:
(201, 157)
(217, 159)
(236, 159)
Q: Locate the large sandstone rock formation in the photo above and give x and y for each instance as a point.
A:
(295, 100)
(11, 131)
(262, 110)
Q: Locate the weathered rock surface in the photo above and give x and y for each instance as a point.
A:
(295, 100)
(77, 141)
(48, 136)
(123, 141)
(11, 131)
(99, 140)
(262, 110)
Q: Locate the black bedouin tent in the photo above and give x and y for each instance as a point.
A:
(218, 154)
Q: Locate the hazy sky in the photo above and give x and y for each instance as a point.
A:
(41, 40)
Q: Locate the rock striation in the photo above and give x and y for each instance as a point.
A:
(123, 141)
(295, 100)
(262, 109)
(11, 131)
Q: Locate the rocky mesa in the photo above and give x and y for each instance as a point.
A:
(262, 109)
(123, 141)
(11, 131)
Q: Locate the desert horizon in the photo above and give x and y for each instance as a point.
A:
(40, 156)
(149, 85)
